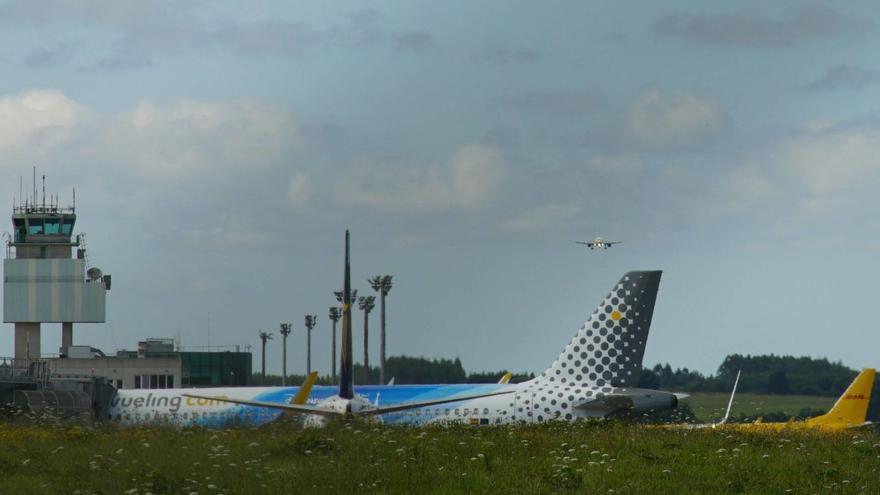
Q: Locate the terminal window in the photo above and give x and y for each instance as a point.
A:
(154, 381)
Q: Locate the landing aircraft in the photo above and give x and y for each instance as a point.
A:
(849, 411)
(598, 243)
(595, 375)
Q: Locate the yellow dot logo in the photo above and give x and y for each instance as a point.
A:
(615, 315)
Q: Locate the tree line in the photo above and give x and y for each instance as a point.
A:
(762, 374)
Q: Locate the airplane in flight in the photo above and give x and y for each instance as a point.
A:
(595, 375)
(598, 243)
(849, 411)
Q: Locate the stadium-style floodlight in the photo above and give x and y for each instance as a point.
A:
(366, 303)
(382, 285)
(335, 314)
(338, 294)
(264, 337)
(311, 321)
(286, 328)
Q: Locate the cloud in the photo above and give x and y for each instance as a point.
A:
(563, 102)
(34, 123)
(470, 180)
(801, 24)
(300, 191)
(186, 138)
(168, 143)
(843, 76)
(139, 32)
(49, 57)
(539, 218)
(413, 41)
(501, 52)
(673, 119)
(834, 160)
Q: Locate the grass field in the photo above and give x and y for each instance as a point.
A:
(711, 407)
(603, 457)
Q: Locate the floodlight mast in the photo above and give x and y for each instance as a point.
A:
(334, 317)
(286, 328)
(311, 320)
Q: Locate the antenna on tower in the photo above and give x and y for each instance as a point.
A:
(44, 191)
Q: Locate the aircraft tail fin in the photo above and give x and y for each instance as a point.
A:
(346, 357)
(608, 349)
(730, 403)
(852, 407)
(302, 396)
(505, 379)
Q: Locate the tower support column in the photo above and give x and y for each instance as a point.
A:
(66, 336)
(27, 341)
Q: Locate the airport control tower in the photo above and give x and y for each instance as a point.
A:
(45, 278)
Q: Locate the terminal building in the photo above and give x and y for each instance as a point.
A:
(156, 364)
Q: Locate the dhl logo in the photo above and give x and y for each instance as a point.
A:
(854, 397)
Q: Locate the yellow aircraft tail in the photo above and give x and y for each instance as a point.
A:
(852, 407)
(305, 389)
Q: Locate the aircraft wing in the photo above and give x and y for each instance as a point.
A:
(300, 408)
(611, 243)
(585, 243)
(413, 405)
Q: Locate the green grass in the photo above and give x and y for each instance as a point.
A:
(590, 457)
(710, 407)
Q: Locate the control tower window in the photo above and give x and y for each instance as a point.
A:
(67, 226)
(35, 226)
(52, 226)
(20, 229)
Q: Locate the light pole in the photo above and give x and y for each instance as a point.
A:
(381, 284)
(366, 303)
(286, 328)
(311, 320)
(264, 336)
(334, 317)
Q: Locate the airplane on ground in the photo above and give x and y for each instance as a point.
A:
(595, 375)
(849, 411)
(598, 243)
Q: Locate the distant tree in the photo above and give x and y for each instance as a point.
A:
(777, 383)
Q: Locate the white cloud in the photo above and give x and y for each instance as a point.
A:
(187, 138)
(660, 119)
(472, 178)
(300, 191)
(34, 123)
(158, 142)
(835, 160)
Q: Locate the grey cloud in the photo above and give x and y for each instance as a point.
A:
(563, 102)
(801, 24)
(502, 136)
(504, 53)
(48, 57)
(142, 31)
(414, 41)
(844, 76)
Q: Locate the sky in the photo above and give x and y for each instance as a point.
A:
(219, 150)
